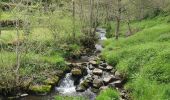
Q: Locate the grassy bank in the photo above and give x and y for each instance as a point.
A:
(143, 59)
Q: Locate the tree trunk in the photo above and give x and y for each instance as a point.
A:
(129, 29)
(118, 18)
(17, 53)
(117, 28)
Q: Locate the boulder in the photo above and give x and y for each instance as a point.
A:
(76, 72)
(103, 64)
(114, 78)
(85, 83)
(109, 68)
(108, 79)
(95, 76)
(113, 71)
(116, 84)
(89, 80)
(69, 64)
(59, 73)
(94, 63)
(84, 64)
(95, 90)
(52, 81)
(97, 83)
(84, 58)
(80, 88)
(97, 71)
(103, 88)
(78, 64)
(102, 68)
(40, 89)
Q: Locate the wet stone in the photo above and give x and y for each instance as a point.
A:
(97, 71)
(95, 90)
(116, 84)
(103, 88)
(108, 79)
(100, 67)
(97, 83)
(94, 63)
(95, 76)
(103, 64)
(76, 72)
(113, 71)
(80, 89)
(109, 68)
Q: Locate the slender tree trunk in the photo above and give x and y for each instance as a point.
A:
(118, 18)
(117, 28)
(17, 53)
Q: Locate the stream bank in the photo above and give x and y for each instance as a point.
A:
(87, 77)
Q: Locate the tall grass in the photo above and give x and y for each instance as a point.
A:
(108, 94)
(144, 59)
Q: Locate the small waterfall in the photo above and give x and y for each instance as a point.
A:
(102, 36)
(102, 33)
(66, 85)
(89, 72)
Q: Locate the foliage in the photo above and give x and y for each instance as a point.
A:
(69, 98)
(144, 60)
(31, 65)
(40, 89)
(108, 94)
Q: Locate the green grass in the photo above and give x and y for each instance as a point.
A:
(143, 59)
(138, 26)
(69, 98)
(5, 15)
(108, 94)
(40, 66)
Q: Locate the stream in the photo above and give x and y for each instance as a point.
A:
(66, 86)
(98, 77)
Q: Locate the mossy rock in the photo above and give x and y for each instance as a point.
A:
(52, 81)
(85, 84)
(76, 72)
(40, 89)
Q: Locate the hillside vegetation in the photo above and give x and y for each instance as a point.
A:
(143, 59)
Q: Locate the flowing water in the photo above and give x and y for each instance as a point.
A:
(66, 86)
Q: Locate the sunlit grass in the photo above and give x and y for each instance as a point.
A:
(143, 59)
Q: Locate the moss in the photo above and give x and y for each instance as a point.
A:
(52, 80)
(40, 89)
(76, 72)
